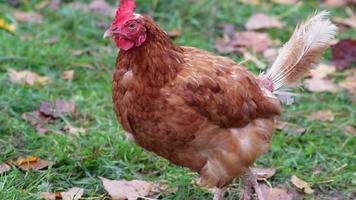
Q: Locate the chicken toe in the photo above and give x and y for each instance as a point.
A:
(251, 185)
(219, 193)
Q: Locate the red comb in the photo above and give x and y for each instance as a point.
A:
(126, 10)
(127, 6)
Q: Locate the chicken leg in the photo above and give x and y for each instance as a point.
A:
(219, 193)
(251, 185)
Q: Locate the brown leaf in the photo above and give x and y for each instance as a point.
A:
(279, 193)
(344, 54)
(58, 108)
(38, 120)
(68, 75)
(322, 71)
(72, 194)
(50, 196)
(102, 7)
(130, 190)
(335, 2)
(32, 163)
(240, 41)
(320, 85)
(73, 130)
(350, 82)
(326, 115)
(263, 174)
(27, 77)
(350, 130)
(300, 184)
(270, 54)
(262, 21)
(350, 22)
(4, 168)
(290, 128)
(28, 17)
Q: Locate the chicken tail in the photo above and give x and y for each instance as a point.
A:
(301, 53)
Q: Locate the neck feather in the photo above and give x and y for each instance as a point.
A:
(157, 61)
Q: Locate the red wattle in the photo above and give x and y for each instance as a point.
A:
(123, 43)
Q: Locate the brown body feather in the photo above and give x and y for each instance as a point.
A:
(194, 108)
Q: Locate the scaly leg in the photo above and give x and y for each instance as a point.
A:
(219, 193)
(251, 184)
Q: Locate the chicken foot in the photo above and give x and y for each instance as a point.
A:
(219, 193)
(251, 185)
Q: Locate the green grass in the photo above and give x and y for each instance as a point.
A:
(81, 160)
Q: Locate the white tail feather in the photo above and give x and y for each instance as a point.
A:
(303, 51)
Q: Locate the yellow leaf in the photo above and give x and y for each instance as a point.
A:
(299, 183)
(30, 159)
(27, 77)
(6, 26)
(32, 163)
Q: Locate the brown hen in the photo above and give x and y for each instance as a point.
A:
(200, 110)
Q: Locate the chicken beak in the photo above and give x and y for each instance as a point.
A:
(108, 33)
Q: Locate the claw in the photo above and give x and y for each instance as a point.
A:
(251, 185)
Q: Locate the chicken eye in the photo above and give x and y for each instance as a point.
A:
(132, 26)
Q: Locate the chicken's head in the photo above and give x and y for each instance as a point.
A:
(127, 29)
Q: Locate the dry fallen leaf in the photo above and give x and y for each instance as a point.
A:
(6, 26)
(68, 75)
(4, 168)
(27, 77)
(336, 2)
(326, 115)
(263, 174)
(50, 196)
(350, 130)
(58, 108)
(300, 184)
(38, 120)
(279, 193)
(72, 194)
(130, 190)
(322, 71)
(320, 85)
(344, 54)
(240, 41)
(270, 54)
(350, 22)
(28, 17)
(290, 128)
(350, 82)
(32, 163)
(262, 21)
(74, 131)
